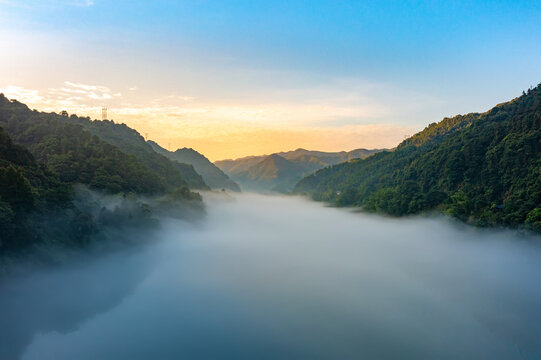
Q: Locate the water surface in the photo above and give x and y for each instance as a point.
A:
(285, 278)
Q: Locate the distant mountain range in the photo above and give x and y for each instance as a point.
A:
(280, 172)
(211, 174)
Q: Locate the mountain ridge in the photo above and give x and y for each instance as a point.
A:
(214, 177)
(287, 167)
(131, 142)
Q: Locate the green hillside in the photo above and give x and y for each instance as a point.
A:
(44, 159)
(75, 155)
(131, 142)
(482, 168)
(35, 206)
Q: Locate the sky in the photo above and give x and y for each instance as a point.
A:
(238, 78)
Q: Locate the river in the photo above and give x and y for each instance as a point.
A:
(270, 277)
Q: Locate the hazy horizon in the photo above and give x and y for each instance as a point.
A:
(232, 79)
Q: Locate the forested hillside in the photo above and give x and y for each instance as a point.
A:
(75, 154)
(44, 161)
(23, 186)
(482, 168)
(211, 174)
(27, 191)
(131, 142)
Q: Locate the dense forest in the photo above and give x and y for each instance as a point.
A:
(76, 155)
(51, 167)
(481, 168)
(173, 173)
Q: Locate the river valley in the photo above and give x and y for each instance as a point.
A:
(270, 277)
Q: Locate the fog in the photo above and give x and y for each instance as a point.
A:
(270, 277)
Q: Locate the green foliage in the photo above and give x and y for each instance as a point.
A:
(74, 154)
(533, 220)
(24, 188)
(483, 168)
(184, 193)
(132, 143)
(384, 200)
(7, 226)
(15, 188)
(47, 159)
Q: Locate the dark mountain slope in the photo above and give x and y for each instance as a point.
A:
(483, 168)
(327, 158)
(211, 174)
(274, 173)
(236, 166)
(192, 177)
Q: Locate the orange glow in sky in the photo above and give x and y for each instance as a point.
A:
(233, 78)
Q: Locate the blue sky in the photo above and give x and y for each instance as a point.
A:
(273, 66)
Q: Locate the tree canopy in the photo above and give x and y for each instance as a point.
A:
(482, 168)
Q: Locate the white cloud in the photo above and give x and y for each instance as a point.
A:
(23, 95)
(87, 87)
(76, 97)
(94, 92)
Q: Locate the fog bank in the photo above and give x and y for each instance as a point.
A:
(271, 277)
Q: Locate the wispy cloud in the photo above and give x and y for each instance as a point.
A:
(314, 107)
(330, 121)
(77, 97)
(94, 92)
(87, 87)
(23, 95)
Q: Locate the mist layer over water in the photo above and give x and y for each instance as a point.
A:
(278, 278)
